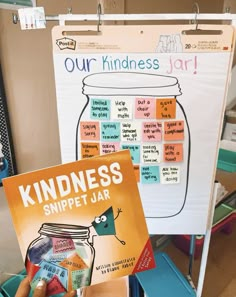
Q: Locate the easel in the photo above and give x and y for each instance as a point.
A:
(194, 18)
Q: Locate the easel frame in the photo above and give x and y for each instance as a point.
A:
(193, 18)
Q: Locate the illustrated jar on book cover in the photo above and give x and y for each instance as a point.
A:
(63, 256)
(141, 112)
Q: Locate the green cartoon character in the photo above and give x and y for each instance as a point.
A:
(105, 223)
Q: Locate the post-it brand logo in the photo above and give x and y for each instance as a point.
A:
(66, 43)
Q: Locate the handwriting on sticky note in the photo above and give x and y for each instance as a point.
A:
(145, 108)
(151, 153)
(150, 174)
(134, 152)
(89, 131)
(166, 108)
(173, 152)
(151, 131)
(109, 147)
(110, 131)
(173, 130)
(170, 174)
(121, 109)
(130, 131)
(100, 109)
(89, 149)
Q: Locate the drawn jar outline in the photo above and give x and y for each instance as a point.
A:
(58, 243)
(115, 85)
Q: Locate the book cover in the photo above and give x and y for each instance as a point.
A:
(80, 223)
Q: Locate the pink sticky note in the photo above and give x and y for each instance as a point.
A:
(89, 131)
(145, 108)
(151, 131)
(109, 147)
(61, 245)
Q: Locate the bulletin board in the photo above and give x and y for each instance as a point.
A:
(7, 156)
(160, 94)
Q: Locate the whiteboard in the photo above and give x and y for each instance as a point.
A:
(156, 97)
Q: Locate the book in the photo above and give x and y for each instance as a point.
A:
(80, 223)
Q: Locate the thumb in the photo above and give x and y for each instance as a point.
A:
(40, 290)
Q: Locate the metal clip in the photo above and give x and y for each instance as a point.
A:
(99, 12)
(15, 18)
(196, 10)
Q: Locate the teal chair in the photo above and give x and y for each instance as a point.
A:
(10, 286)
(165, 280)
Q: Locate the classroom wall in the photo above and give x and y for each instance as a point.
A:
(26, 59)
(172, 6)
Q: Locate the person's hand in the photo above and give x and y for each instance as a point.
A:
(40, 290)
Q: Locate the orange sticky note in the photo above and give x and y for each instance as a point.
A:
(137, 173)
(173, 152)
(89, 149)
(89, 131)
(74, 262)
(166, 108)
(174, 130)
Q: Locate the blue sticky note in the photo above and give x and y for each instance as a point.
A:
(100, 109)
(110, 131)
(134, 152)
(41, 248)
(150, 174)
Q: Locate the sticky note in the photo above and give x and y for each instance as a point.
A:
(150, 174)
(41, 248)
(134, 152)
(54, 287)
(121, 109)
(89, 149)
(166, 108)
(31, 269)
(74, 262)
(173, 130)
(130, 131)
(137, 172)
(173, 152)
(56, 258)
(80, 278)
(89, 131)
(100, 109)
(145, 108)
(110, 131)
(170, 174)
(61, 245)
(151, 153)
(151, 131)
(109, 147)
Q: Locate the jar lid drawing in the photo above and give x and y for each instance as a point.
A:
(131, 83)
(63, 230)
